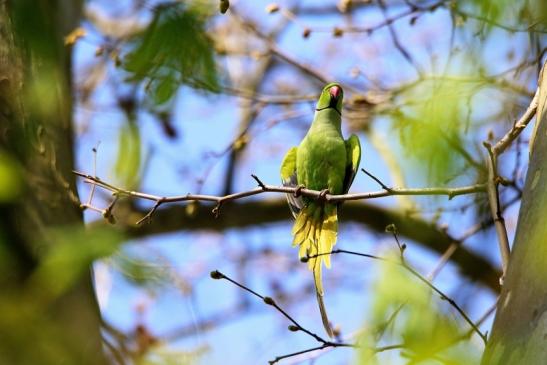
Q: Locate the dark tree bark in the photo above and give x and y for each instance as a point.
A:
(520, 328)
(36, 136)
(242, 214)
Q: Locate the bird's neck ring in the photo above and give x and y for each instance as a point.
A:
(329, 107)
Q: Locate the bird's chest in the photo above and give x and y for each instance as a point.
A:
(321, 162)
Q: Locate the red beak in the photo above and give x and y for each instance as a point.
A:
(335, 91)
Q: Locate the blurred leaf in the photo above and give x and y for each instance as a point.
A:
(142, 272)
(165, 89)
(431, 128)
(425, 331)
(75, 35)
(492, 9)
(31, 332)
(70, 255)
(173, 49)
(129, 155)
(511, 14)
(10, 178)
(164, 355)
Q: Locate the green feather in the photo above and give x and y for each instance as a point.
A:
(323, 160)
(288, 166)
(353, 158)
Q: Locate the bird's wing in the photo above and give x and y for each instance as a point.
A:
(288, 178)
(353, 153)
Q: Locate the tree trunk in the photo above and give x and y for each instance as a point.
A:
(520, 328)
(36, 153)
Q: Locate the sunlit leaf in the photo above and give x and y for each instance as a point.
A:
(142, 272)
(164, 89)
(129, 155)
(164, 355)
(511, 15)
(72, 251)
(405, 311)
(174, 49)
(431, 128)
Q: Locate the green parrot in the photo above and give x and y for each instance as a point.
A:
(323, 161)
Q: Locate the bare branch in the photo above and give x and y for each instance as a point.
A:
(514, 132)
(148, 215)
(323, 347)
(382, 185)
(494, 202)
(396, 42)
(494, 179)
(263, 188)
(217, 275)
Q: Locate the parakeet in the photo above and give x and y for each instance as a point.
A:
(323, 161)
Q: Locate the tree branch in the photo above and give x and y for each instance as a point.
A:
(244, 214)
(514, 132)
(495, 209)
(263, 188)
(493, 178)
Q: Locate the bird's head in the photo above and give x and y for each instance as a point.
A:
(331, 97)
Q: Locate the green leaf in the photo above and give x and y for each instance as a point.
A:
(174, 49)
(164, 89)
(129, 155)
(142, 272)
(431, 128)
(407, 312)
(165, 355)
(490, 14)
(72, 251)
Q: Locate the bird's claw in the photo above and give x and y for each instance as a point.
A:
(298, 190)
(322, 194)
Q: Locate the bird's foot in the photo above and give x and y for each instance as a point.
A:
(322, 194)
(298, 190)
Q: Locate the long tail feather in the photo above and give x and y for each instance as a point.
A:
(315, 231)
(324, 317)
(319, 294)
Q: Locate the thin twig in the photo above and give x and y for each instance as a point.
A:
(416, 274)
(92, 192)
(514, 132)
(268, 300)
(467, 334)
(281, 357)
(148, 216)
(414, 11)
(443, 260)
(451, 301)
(382, 185)
(397, 43)
(323, 347)
(402, 247)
